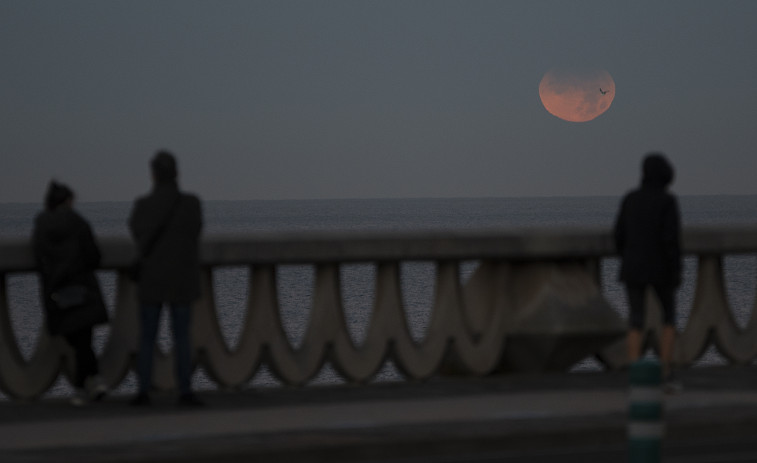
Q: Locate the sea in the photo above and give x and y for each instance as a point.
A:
(295, 282)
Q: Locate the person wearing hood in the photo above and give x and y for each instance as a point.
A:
(67, 256)
(647, 237)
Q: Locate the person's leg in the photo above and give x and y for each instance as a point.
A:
(85, 364)
(149, 318)
(180, 318)
(667, 342)
(633, 340)
(666, 296)
(635, 296)
(85, 360)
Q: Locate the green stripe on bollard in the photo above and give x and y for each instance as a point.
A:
(645, 412)
(645, 372)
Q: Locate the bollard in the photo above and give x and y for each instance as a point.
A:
(645, 425)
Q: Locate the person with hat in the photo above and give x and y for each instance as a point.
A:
(67, 256)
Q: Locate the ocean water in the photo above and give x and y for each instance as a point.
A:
(295, 282)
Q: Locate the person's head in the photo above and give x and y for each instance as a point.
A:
(656, 170)
(163, 167)
(58, 194)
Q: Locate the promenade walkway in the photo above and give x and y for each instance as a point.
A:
(560, 417)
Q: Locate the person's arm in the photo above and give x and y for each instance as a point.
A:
(138, 226)
(196, 224)
(619, 230)
(671, 238)
(90, 251)
(37, 246)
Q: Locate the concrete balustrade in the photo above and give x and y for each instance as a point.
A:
(534, 303)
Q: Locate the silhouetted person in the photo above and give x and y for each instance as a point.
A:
(67, 255)
(166, 226)
(647, 236)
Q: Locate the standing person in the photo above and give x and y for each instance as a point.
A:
(67, 256)
(647, 236)
(166, 226)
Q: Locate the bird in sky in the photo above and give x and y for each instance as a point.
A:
(602, 91)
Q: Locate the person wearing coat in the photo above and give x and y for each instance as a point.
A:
(647, 236)
(67, 256)
(166, 226)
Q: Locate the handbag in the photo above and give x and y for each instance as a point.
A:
(76, 307)
(134, 270)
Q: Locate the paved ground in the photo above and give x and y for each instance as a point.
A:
(564, 417)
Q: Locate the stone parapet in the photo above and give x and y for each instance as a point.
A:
(533, 304)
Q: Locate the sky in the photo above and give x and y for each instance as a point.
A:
(371, 99)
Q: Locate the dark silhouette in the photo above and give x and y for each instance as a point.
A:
(603, 92)
(67, 255)
(166, 226)
(647, 236)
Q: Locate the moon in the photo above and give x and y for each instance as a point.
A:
(577, 95)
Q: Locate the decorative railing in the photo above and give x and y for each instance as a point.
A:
(533, 303)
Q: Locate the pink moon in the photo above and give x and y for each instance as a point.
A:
(577, 95)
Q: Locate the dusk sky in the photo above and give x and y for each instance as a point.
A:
(379, 99)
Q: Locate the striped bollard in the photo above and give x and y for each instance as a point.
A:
(645, 425)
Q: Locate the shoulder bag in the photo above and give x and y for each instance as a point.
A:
(135, 269)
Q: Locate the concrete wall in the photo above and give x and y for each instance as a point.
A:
(533, 304)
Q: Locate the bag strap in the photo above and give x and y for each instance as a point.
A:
(163, 225)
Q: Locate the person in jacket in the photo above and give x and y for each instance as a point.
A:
(67, 256)
(647, 236)
(166, 226)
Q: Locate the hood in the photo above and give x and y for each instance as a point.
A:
(656, 171)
